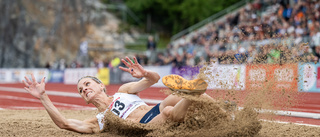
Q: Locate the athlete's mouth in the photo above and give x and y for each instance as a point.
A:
(88, 93)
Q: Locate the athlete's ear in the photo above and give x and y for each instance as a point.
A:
(103, 87)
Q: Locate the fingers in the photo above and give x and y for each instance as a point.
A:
(129, 60)
(124, 69)
(26, 89)
(25, 83)
(28, 80)
(125, 62)
(33, 78)
(135, 60)
(42, 80)
(129, 64)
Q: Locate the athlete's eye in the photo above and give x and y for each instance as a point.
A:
(80, 91)
(88, 83)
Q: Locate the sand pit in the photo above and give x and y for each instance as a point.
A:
(26, 123)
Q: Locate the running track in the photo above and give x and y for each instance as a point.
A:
(13, 96)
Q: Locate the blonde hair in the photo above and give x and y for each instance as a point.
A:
(94, 79)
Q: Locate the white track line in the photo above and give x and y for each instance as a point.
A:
(289, 113)
(298, 114)
(301, 110)
(49, 92)
(39, 108)
(292, 123)
(38, 101)
(66, 94)
(25, 108)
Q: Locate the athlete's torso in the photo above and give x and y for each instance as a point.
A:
(123, 104)
(126, 106)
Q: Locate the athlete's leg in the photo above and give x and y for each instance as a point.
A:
(171, 100)
(174, 113)
(175, 108)
(178, 112)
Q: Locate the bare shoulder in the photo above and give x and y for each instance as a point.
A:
(125, 88)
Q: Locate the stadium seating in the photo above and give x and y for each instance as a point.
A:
(281, 32)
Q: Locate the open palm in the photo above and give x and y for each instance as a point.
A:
(135, 69)
(33, 87)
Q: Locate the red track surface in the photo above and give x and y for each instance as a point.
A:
(23, 100)
(310, 102)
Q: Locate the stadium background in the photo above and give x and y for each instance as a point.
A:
(248, 28)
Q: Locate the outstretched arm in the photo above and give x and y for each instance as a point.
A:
(137, 71)
(38, 90)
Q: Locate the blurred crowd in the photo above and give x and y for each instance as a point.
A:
(265, 31)
(262, 32)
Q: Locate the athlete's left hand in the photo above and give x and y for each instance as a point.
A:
(135, 69)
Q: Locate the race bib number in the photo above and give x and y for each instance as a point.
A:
(118, 106)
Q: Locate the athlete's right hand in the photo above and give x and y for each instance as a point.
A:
(135, 69)
(33, 87)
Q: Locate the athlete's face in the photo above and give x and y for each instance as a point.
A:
(88, 88)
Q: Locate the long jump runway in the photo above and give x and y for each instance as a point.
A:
(13, 96)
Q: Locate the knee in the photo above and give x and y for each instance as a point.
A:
(167, 111)
(169, 114)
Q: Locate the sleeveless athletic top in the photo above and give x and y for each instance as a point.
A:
(122, 105)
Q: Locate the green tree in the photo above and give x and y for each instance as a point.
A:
(173, 16)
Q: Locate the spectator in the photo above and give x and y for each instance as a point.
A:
(179, 60)
(151, 50)
(252, 54)
(190, 59)
(49, 65)
(75, 64)
(263, 56)
(160, 59)
(62, 64)
(317, 51)
(98, 63)
(307, 55)
(295, 57)
(285, 21)
(242, 55)
(274, 55)
(151, 45)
